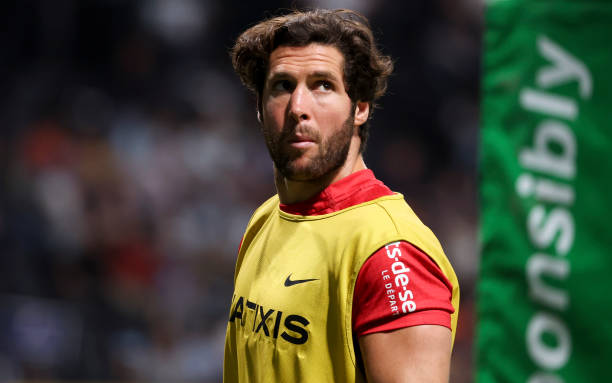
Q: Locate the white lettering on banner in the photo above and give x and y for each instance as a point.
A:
(542, 231)
(540, 265)
(547, 103)
(564, 69)
(550, 222)
(544, 190)
(549, 357)
(543, 377)
(541, 158)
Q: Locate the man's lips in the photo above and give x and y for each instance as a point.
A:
(301, 142)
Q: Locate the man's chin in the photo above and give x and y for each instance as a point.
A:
(294, 171)
(304, 169)
(298, 175)
(305, 174)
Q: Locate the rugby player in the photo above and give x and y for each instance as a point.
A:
(336, 280)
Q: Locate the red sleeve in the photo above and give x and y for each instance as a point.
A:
(400, 286)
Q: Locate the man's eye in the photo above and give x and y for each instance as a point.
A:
(324, 85)
(282, 85)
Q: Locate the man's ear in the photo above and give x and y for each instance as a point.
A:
(362, 112)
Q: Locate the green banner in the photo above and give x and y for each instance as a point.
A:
(545, 288)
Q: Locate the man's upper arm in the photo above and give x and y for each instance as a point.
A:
(398, 341)
(410, 354)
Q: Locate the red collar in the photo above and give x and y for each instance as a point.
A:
(354, 189)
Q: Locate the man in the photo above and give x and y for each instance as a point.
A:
(336, 280)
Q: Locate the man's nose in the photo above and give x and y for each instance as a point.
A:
(300, 103)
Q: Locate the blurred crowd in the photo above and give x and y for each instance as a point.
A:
(131, 161)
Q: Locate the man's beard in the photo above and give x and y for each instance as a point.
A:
(331, 155)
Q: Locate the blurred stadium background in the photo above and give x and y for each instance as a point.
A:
(131, 161)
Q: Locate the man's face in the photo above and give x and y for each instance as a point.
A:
(307, 116)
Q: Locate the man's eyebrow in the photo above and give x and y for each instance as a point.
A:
(318, 74)
(325, 74)
(277, 75)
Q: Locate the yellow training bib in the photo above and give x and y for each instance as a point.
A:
(291, 313)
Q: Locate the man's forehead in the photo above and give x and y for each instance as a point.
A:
(316, 59)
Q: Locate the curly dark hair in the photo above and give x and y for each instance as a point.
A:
(365, 69)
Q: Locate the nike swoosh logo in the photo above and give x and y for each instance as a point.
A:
(289, 282)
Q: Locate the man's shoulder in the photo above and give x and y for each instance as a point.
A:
(388, 215)
(268, 206)
(396, 207)
(259, 217)
(262, 213)
(386, 208)
(393, 214)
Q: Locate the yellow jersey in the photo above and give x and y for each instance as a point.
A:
(291, 313)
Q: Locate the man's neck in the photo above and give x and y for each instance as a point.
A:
(290, 191)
